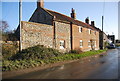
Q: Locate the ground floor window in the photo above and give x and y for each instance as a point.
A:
(89, 44)
(62, 44)
(81, 43)
(95, 43)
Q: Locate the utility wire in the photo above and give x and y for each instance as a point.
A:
(103, 8)
(103, 15)
(107, 25)
(105, 22)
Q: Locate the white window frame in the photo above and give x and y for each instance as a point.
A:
(80, 29)
(81, 42)
(95, 32)
(62, 46)
(95, 43)
(89, 30)
(89, 44)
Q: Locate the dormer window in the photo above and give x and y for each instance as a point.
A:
(80, 29)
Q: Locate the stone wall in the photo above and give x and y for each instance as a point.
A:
(10, 43)
(62, 33)
(36, 34)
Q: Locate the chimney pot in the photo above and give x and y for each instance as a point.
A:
(87, 20)
(40, 3)
(93, 23)
(73, 14)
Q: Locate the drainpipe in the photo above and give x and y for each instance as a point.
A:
(54, 33)
(71, 38)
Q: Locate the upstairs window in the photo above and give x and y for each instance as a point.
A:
(62, 44)
(80, 29)
(81, 43)
(95, 32)
(89, 30)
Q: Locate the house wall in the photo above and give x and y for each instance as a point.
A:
(112, 38)
(102, 39)
(36, 34)
(62, 32)
(41, 16)
(42, 34)
(85, 37)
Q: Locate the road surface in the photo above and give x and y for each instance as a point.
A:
(102, 67)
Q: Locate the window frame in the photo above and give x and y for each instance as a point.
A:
(62, 44)
(81, 43)
(89, 44)
(89, 31)
(95, 43)
(95, 32)
(80, 29)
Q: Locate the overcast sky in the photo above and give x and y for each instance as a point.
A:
(93, 10)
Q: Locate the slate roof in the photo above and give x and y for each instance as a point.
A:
(62, 17)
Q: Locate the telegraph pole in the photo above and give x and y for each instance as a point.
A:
(102, 22)
(20, 18)
(102, 33)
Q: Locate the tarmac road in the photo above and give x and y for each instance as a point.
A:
(102, 67)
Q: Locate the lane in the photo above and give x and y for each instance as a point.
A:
(102, 67)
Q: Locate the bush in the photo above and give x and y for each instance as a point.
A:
(39, 55)
(36, 52)
(9, 50)
(76, 51)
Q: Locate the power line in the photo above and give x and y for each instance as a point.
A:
(107, 25)
(103, 15)
(103, 8)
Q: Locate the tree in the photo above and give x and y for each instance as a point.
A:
(3, 26)
(7, 35)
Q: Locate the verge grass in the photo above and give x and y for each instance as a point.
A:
(38, 55)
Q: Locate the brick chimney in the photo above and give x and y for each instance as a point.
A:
(73, 14)
(93, 23)
(87, 20)
(40, 3)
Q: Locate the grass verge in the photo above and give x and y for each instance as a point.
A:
(9, 65)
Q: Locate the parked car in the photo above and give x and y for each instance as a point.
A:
(111, 46)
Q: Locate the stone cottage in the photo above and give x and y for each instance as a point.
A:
(56, 30)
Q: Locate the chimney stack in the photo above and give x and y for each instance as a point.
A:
(73, 14)
(40, 3)
(92, 23)
(87, 20)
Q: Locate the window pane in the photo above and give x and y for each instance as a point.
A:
(81, 43)
(62, 44)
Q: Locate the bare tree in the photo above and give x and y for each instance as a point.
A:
(3, 25)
